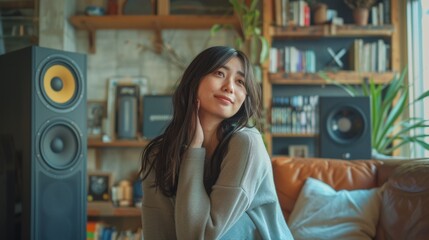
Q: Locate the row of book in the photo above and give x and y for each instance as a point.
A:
(291, 59)
(369, 57)
(380, 13)
(295, 13)
(294, 114)
(96, 230)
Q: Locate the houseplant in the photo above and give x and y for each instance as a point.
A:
(390, 128)
(360, 10)
(249, 39)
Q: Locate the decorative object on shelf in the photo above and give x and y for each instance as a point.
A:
(139, 7)
(390, 128)
(112, 7)
(121, 6)
(336, 63)
(99, 184)
(320, 13)
(298, 151)
(360, 10)
(94, 11)
(96, 112)
(122, 194)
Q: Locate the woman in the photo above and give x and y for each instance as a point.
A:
(209, 175)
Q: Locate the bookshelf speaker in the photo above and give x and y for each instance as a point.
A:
(344, 127)
(157, 114)
(127, 111)
(43, 132)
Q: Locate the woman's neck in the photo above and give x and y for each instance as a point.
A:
(210, 136)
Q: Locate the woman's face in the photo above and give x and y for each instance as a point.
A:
(222, 92)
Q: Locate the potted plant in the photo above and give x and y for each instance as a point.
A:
(390, 128)
(360, 10)
(249, 39)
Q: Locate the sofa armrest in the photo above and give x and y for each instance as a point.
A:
(405, 202)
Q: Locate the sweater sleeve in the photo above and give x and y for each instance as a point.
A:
(200, 216)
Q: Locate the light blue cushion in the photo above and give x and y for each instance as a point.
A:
(321, 212)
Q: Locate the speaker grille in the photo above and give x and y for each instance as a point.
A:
(59, 211)
(60, 83)
(346, 124)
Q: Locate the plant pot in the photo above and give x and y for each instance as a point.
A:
(320, 14)
(360, 16)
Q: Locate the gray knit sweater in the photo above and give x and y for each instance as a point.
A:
(242, 205)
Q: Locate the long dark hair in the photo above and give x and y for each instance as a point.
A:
(164, 154)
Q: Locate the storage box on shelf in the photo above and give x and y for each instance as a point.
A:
(302, 54)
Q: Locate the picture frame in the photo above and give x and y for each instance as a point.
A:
(99, 185)
(112, 85)
(96, 112)
(298, 151)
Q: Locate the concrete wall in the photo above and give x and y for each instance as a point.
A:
(121, 53)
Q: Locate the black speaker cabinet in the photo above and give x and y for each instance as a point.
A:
(43, 140)
(344, 127)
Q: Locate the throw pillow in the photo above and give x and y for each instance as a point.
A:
(321, 212)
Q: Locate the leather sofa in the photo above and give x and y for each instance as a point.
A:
(404, 184)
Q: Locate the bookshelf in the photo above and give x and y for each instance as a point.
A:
(318, 38)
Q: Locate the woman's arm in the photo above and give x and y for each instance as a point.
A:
(199, 216)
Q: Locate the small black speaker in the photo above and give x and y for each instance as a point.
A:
(43, 137)
(344, 127)
(127, 111)
(157, 114)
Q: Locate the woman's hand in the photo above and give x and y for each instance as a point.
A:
(198, 138)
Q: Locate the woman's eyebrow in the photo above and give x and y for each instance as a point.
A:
(238, 72)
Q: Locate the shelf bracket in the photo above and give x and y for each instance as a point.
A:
(91, 41)
(158, 42)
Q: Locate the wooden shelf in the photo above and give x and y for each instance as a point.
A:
(294, 135)
(16, 4)
(106, 209)
(153, 22)
(345, 77)
(97, 143)
(332, 31)
(92, 23)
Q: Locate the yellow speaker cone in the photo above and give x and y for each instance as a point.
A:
(59, 84)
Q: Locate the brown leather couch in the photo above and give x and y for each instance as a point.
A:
(404, 210)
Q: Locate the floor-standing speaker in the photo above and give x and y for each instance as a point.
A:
(43, 122)
(344, 127)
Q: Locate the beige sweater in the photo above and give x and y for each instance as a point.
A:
(242, 205)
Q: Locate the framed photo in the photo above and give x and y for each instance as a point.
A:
(96, 112)
(298, 151)
(99, 185)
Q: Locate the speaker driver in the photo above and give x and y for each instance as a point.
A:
(346, 124)
(60, 145)
(60, 83)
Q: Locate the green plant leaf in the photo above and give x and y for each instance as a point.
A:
(264, 49)
(215, 29)
(393, 115)
(421, 97)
